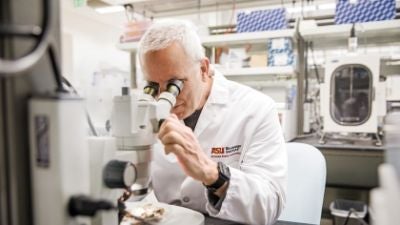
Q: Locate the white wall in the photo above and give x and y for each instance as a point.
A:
(88, 48)
(90, 44)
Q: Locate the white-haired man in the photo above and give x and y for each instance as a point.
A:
(230, 158)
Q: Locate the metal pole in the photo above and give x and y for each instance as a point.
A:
(300, 79)
(134, 84)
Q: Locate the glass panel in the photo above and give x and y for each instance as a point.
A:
(352, 90)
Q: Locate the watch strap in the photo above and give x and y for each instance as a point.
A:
(223, 176)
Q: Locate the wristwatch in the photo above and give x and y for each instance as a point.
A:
(224, 175)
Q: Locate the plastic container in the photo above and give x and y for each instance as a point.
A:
(340, 209)
(134, 30)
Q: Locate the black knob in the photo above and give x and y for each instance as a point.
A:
(119, 174)
(81, 205)
(125, 91)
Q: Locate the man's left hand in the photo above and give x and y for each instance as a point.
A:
(181, 141)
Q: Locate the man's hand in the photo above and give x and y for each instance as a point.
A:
(181, 141)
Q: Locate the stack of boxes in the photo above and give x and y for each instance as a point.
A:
(364, 11)
(261, 20)
(279, 50)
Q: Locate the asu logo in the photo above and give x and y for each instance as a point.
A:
(224, 152)
(217, 151)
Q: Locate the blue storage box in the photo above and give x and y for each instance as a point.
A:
(364, 11)
(280, 52)
(261, 20)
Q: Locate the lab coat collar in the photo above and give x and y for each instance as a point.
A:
(219, 96)
(219, 91)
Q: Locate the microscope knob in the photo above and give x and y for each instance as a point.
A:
(119, 174)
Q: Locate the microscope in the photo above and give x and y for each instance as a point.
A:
(122, 162)
(135, 122)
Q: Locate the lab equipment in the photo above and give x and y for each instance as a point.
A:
(353, 40)
(56, 139)
(136, 118)
(392, 88)
(385, 200)
(104, 83)
(134, 123)
(348, 211)
(352, 97)
(101, 150)
(58, 154)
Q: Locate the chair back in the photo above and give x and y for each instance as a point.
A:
(306, 184)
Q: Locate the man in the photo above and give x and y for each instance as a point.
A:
(229, 154)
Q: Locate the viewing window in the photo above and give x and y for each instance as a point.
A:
(351, 94)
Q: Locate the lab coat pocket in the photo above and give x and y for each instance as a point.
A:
(232, 161)
(192, 195)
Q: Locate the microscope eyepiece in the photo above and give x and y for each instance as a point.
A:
(175, 87)
(151, 88)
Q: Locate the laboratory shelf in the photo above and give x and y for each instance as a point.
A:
(246, 38)
(227, 39)
(258, 71)
(379, 32)
(128, 46)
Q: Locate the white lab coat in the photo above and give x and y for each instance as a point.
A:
(245, 123)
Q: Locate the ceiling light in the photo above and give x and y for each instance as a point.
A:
(327, 6)
(300, 9)
(110, 9)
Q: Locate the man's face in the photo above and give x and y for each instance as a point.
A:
(173, 63)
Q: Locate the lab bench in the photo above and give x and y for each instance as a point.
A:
(352, 168)
(216, 221)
